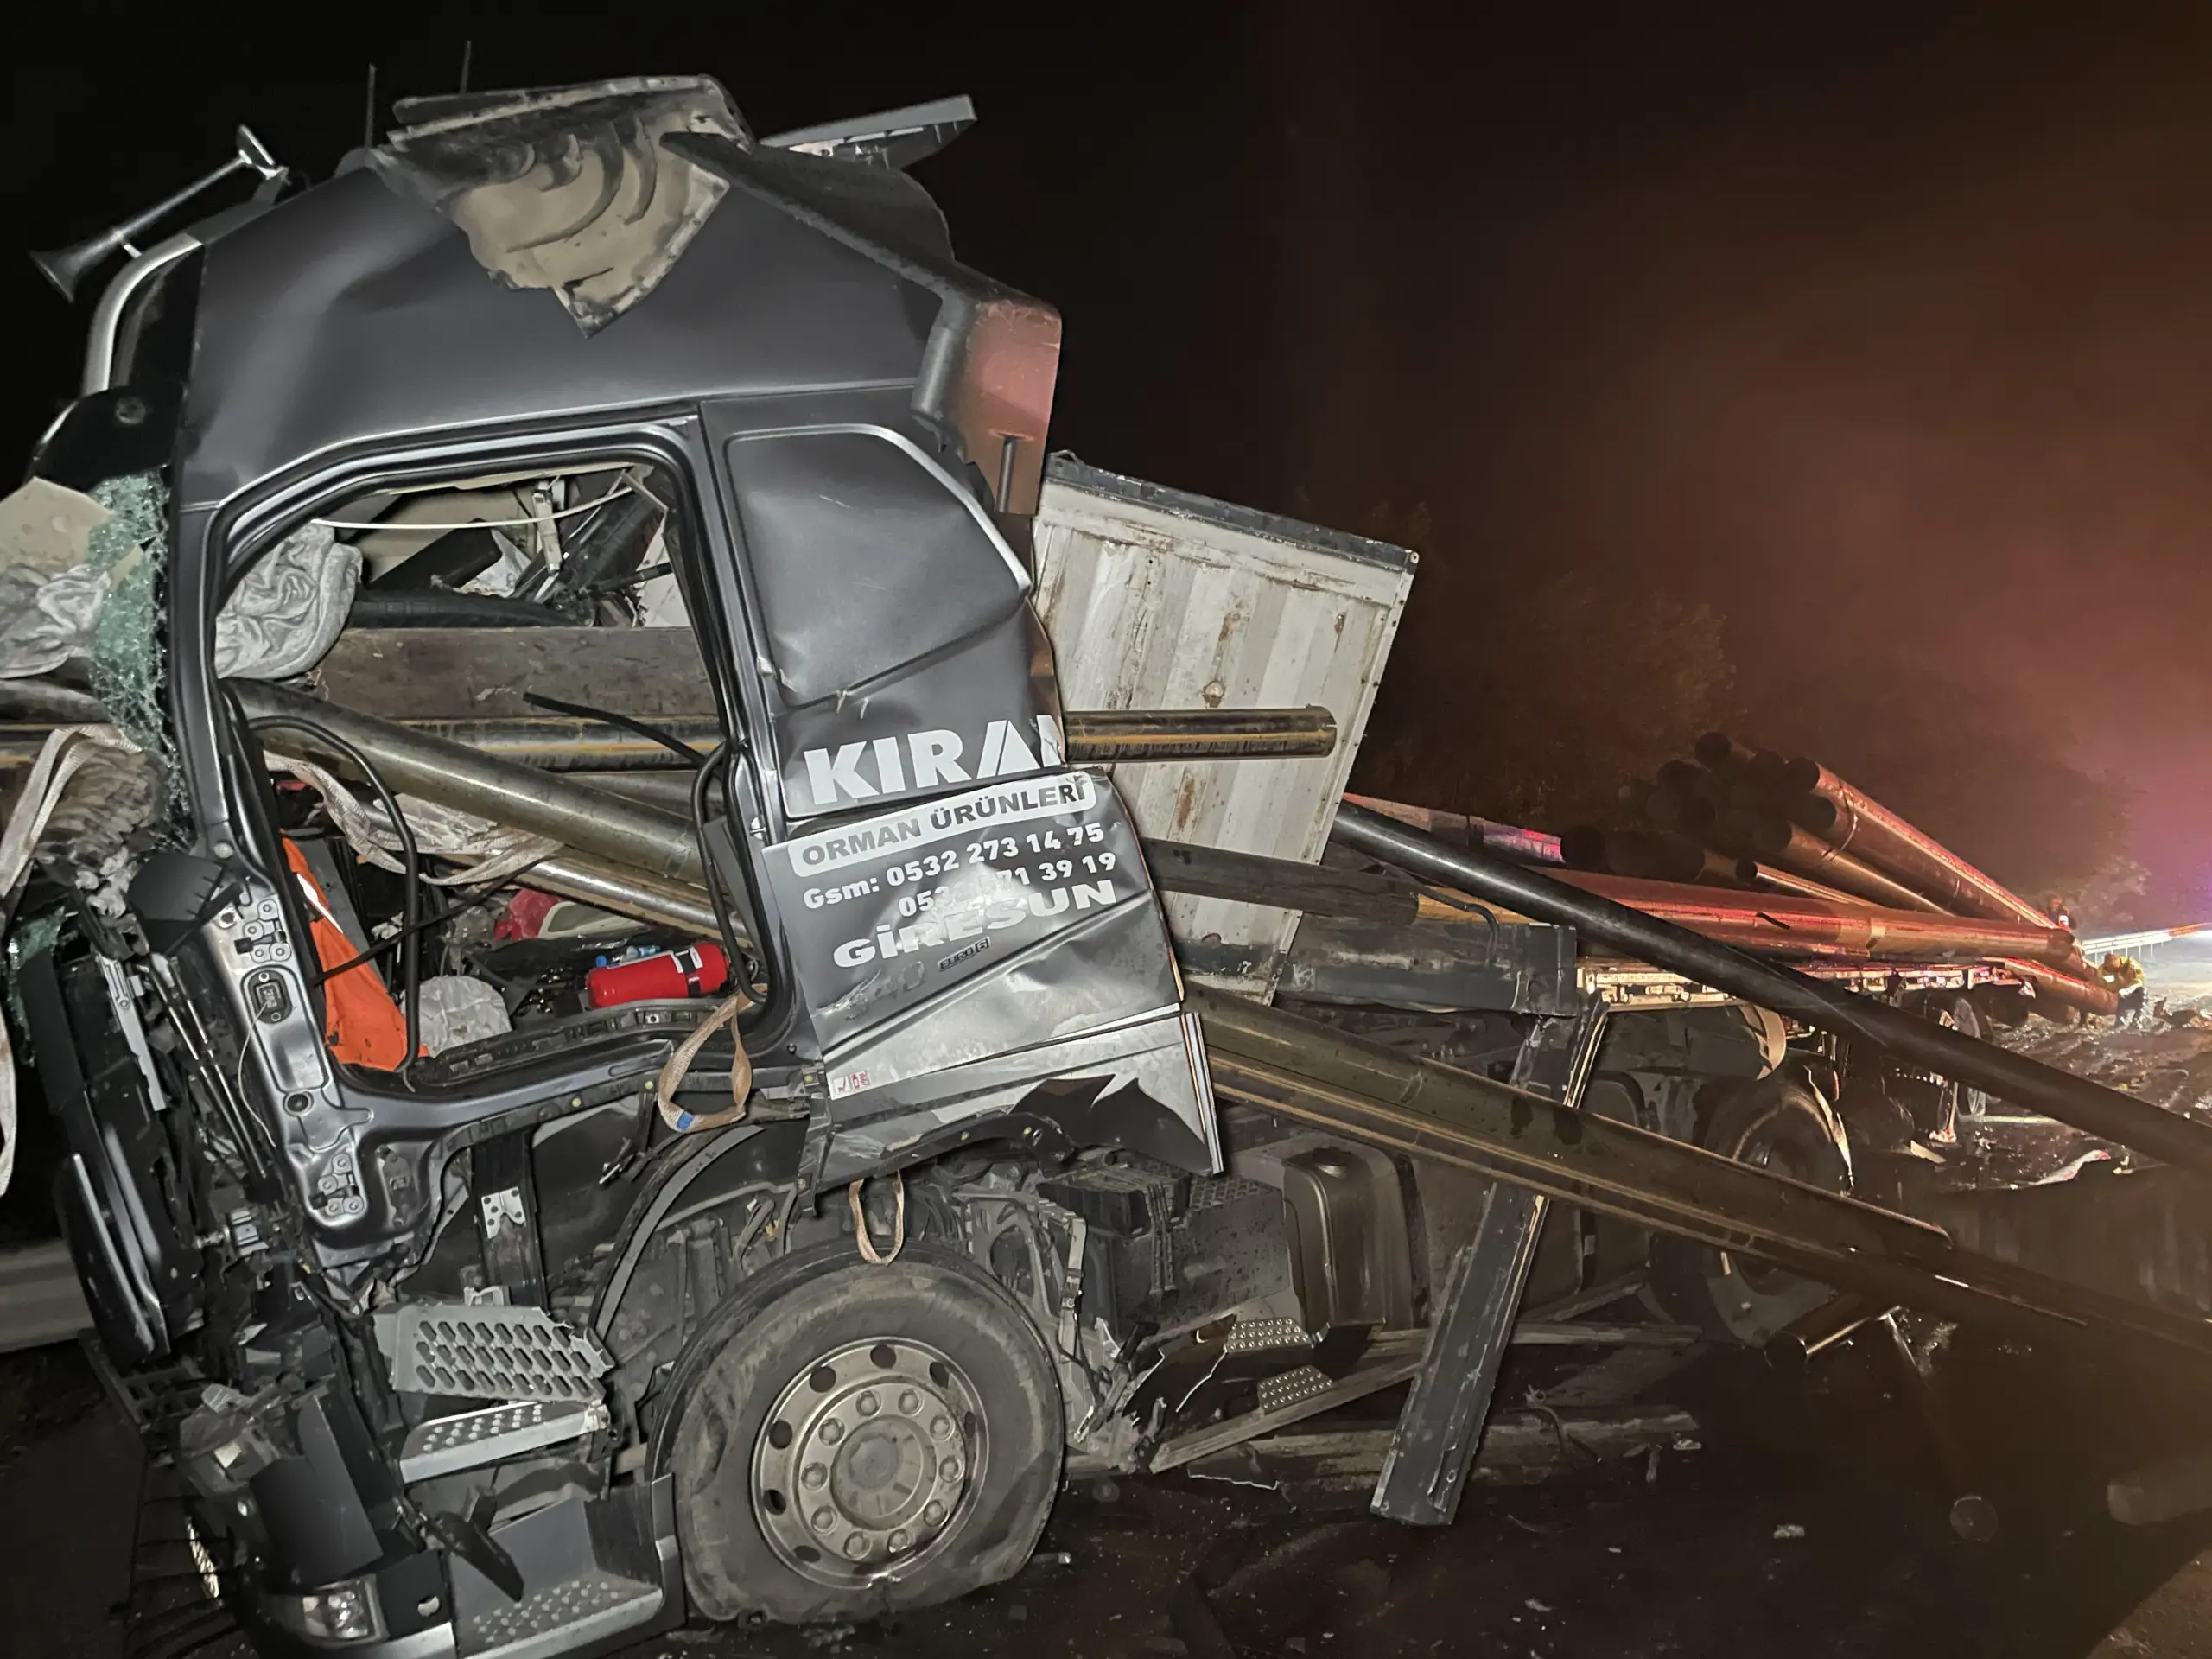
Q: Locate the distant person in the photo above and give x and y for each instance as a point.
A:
(2125, 975)
(2061, 912)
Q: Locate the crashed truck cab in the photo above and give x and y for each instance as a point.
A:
(515, 1344)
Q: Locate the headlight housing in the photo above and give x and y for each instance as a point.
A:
(346, 1612)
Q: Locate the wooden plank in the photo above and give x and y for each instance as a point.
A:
(456, 673)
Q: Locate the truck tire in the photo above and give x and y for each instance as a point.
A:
(1965, 1017)
(852, 1440)
(1779, 1123)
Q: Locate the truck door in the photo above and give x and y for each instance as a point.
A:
(951, 894)
(899, 654)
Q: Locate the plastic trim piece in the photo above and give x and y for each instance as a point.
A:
(107, 316)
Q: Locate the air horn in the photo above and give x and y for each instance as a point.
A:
(66, 267)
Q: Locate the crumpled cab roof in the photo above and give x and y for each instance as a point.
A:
(357, 311)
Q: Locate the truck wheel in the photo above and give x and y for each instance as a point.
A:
(1964, 1016)
(1779, 1124)
(852, 1440)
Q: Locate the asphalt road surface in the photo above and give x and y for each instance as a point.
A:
(1811, 1520)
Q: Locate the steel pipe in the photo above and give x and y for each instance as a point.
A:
(1677, 807)
(1753, 873)
(1255, 878)
(558, 743)
(1786, 925)
(671, 791)
(43, 703)
(1115, 737)
(1465, 829)
(20, 740)
(1106, 738)
(1646, 855)
(1723, 752)
(627, 892)
(1772, 839)
(2069, 984)
(1916, 1042)
(1776, 923)
(418, 763)
(1796, 1344)
(1848, 819)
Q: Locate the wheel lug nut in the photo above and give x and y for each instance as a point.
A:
(825, 1519)
(909, 1403)
(933, 1513)
(855, 1545)
(949, 1469)
(898, 1539)
(940, 1428)
(869, 1404)
(814, 1476)
(832, 1432)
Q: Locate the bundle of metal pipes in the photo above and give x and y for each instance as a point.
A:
(635, 852)
(1735, 820)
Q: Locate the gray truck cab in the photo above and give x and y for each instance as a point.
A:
(775, 1300)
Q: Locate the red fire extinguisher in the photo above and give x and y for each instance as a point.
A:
(702, 970)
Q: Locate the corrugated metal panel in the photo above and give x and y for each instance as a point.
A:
(1155, 599)
(2143, 1233)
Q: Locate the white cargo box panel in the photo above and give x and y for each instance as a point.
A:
(1155, 599)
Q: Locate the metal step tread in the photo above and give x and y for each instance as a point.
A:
(1305, 1391)
(559, 1618)
(473, 1438)
(490, 1352)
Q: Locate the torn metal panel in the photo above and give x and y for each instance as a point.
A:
(892, 138)
(350, 313)
(2139, 1233)
(1140, 1085)
(813, 505)
(568, 189)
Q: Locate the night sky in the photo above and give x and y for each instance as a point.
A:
(1885, 334)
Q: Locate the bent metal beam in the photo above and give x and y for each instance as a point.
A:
(1317, 1074)
(2100, 1111)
